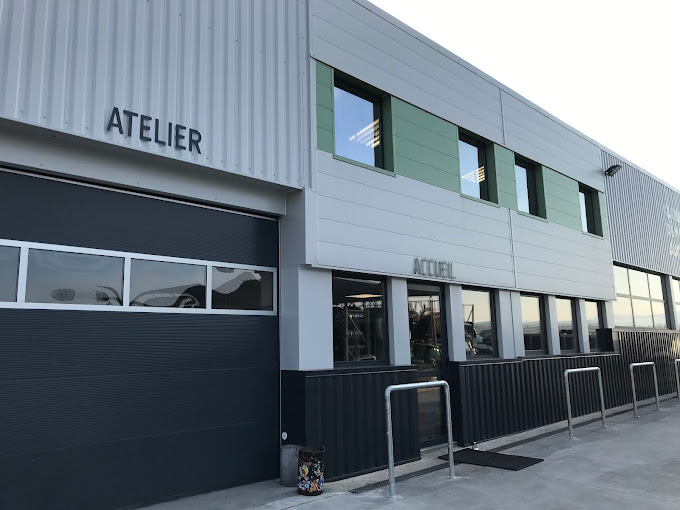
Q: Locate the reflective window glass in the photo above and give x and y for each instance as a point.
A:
(642, 311)
(621, 280)
(532, 324)
(655, 288)
(565, 325)
(9, 272)
(676, 289)
(480, 330)
(242, 289)
(659, 313)
(584, 213)
(167, 284)
(587, 198)
(74, 278)
(638, 283)
(593, 321)
(623, 313)
(521, 184)
(357, 126)
(425, 327)
(473, 178)
(359, 329)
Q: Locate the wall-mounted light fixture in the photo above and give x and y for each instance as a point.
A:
(609, 172)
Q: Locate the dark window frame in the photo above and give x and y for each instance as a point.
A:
(589, 206)
(481, 146)
(364, 91)
(599, 340)
(665, 300)
(545, 351)
(385, 310)
(532, 184)
(494, 323)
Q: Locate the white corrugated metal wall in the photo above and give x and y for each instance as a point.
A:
(644, 219)
(236, 70)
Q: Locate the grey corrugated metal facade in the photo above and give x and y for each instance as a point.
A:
(235, 71)
(644, 219)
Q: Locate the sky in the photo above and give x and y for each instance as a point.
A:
(609, 68)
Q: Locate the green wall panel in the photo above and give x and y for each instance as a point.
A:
(501, 162)
(561, 199)
(324, 107)
(425, 146)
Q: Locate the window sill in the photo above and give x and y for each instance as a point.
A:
(592, 235)
(480, 200)
(533, 216)
(364, 165)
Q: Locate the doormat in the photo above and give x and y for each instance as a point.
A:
(491, 459)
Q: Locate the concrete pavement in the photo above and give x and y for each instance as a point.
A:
(634, 463)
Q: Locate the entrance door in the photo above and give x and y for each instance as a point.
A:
(428, 354)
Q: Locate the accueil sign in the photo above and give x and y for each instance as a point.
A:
(431, 267)
(149, 129)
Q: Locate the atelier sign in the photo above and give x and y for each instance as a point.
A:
(431, 267)
(149, 129)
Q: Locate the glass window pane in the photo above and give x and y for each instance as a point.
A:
(565, 325)
(593, 321)
(9, 272)
(521, 184)
(357, 128)
(655, 288)
(638, 283)
(359, 329)
(642, 312)
(74, 278)
(480, 331)
(659, 312)
(584, 213)
(621, 280)
(242, 289)
(472, 170)
(623, 313)
(532, 323)
(676, 290)
(425, 327)
(167, 284)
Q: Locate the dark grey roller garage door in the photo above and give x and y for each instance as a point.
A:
(102, 409)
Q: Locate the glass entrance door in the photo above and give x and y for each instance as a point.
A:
(428, 354)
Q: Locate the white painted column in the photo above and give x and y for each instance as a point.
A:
(582, 326)
(455, 331)
(673, 318)
(518, 327)
(306, 309)
(551, 326)
(398, 326)
(608, 319)
(505, 325)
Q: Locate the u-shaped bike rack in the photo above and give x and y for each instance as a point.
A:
(388, 413)
(566, 389)
(656, 384)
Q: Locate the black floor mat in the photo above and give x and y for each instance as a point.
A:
(491, 459)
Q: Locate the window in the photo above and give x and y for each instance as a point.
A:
(586, 200)
(566, 325)
(167, 284)
(594, 322)
(74, 278)
(527, 187)
(479, 320)
(474, 180)
(242, 289)
(676, 293)
(425, 326)
(359, 327)
(639, 299)
(358, 124)
(533, 324)
(9, 273)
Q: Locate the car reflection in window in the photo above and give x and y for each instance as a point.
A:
(242, 289)
(172, 297)
(478, 343)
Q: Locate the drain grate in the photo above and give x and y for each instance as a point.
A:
(492, 459)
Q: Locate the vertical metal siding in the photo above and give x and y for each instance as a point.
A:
(497, 399)
(638, 225)
(235, 70)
